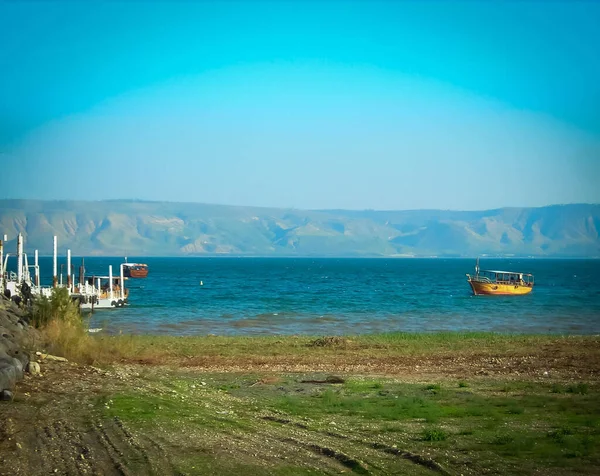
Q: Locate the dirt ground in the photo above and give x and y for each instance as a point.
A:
(55, 425)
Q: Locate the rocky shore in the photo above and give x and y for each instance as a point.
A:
(17, 339)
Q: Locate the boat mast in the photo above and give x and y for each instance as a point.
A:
(477, 267)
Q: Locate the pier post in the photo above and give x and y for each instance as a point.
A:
(37, 269)
(19, 258)
(95, 295)
(110, 284)
(25, 268)
(2, 264)
(69, 283)
(81, 274)
(54, 265)
(122, 287)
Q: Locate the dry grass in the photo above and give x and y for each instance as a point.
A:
(63, 331)
(454, 354)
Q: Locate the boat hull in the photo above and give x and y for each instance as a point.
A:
(135, 273)
(105, 303)
(499, 289)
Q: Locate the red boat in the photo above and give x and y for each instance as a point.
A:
(135, 270)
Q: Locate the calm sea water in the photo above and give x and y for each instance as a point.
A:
(259, 296)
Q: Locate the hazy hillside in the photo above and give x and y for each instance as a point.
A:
(135, 228)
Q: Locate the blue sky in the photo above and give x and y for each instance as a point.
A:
(390, 105)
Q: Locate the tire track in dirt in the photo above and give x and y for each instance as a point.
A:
(55, 429)
(129, 455)
(60, 448)
(83, 448)
(351, 463)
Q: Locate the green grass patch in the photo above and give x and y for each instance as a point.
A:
(511, 424)
(209, 463)
(434, 434)
(171, 411)
(580, 388)
(508, 427)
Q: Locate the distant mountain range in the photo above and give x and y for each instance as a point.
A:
(141, 228)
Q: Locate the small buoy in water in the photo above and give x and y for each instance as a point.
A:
(201, 283)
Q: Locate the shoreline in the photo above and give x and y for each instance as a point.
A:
(393, 354)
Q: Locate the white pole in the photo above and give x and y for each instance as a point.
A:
(54, 264)
(19, 258)
(37, 269)
(2, 264)
(25, 268)
(122, 286)
(110, 284)
(99, 287)
(69, 270)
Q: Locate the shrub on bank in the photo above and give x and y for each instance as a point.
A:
(62, 326)
(58, 307)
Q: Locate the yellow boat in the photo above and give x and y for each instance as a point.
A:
(500, 282)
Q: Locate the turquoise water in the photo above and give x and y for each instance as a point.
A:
(261, 296)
